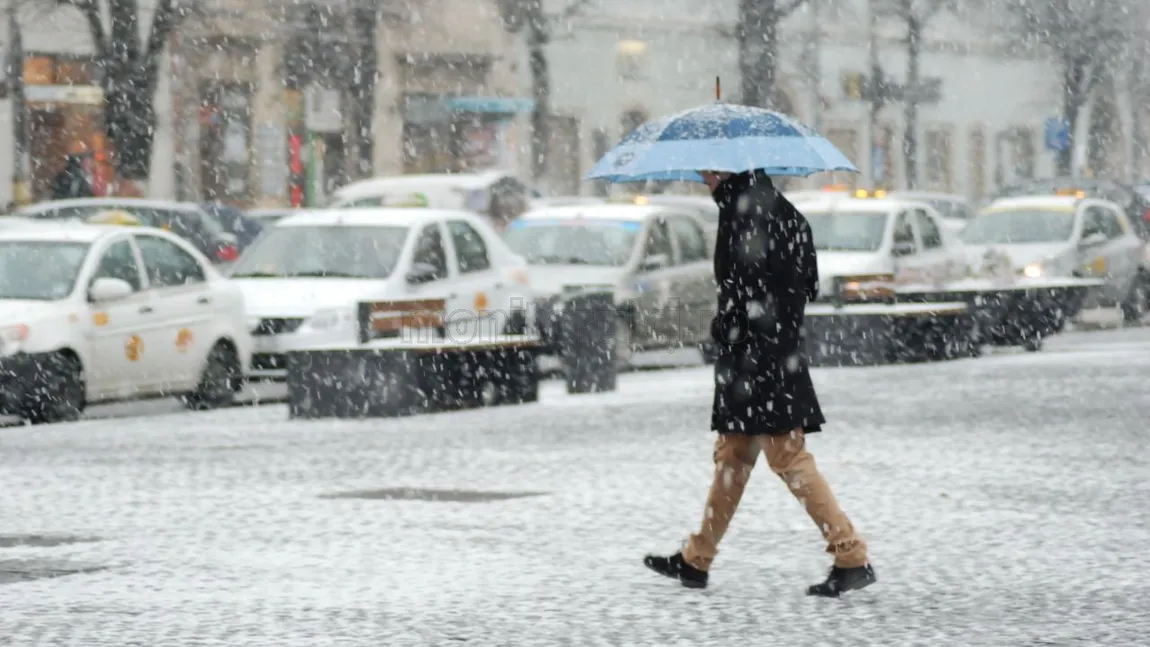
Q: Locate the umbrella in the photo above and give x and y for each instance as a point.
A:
(719, 137)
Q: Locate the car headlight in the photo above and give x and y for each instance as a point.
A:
(1033, 271)
(12, 339)
(330, 318)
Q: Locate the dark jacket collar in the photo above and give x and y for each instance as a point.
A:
(732, 187)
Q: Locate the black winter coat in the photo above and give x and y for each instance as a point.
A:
(766, 273)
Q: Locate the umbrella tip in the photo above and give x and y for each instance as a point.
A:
(718, 90)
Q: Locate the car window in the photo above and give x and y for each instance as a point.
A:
(692, 242)
(1110, 225)
(903, 231)
(928, 230)
(470, 250)
(119, 262)
(376, 201)
(167, 264)
(658, 242)
(429, 251)
(965, 212)
(945, 208)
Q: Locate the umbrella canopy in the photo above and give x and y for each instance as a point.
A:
(719, 137)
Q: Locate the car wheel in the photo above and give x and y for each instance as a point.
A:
(1032, 344)
(58, 394)
(221, 380)
(1138, 301)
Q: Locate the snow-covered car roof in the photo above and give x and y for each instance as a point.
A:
(376, 217)
(632, 212)
(399, 183)
(70, 232)
(1062, 203)
(143, 203)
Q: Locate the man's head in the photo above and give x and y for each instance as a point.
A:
(713, 178)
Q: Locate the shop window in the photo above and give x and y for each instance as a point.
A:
(631, 59)
(976, 171)
(225, 141)
(938, 160)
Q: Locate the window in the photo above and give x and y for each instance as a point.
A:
(167, 264)
(692, 243)
(470, 250)
(1110, 225)
(903, 232)
(365, 202)
(928, 230)
(658, 242)
(938, 161)
(1099, 220)
(429, 251)
(119, 262)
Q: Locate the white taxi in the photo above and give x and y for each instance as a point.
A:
(880, 240)
(303, 279)
(95, 313)
(1063, 236)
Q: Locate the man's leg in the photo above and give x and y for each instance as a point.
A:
(788, 457)
(735, 457)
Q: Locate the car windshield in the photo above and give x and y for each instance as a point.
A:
(328, 251)
(1019, 226)
(40, 270)
(582, 242)
(843, 231)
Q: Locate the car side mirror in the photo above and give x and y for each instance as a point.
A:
(902, 249)
(422, 273)
(1092, 239)
(655, 262)
(105, 289)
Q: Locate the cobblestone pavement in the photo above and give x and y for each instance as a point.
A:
(1004, 499)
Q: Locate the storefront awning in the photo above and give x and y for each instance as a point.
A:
(426, 110)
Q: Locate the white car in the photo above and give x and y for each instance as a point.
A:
(94, 313)
(303, 279)
(954, 209)
(1062, 236)
(657, 260)
(884, 239)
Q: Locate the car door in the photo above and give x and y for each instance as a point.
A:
(694, 284)
(1122, 249)
(654, 274)
(178, 329)
(1093, 243)
(480, 288)
(116, 329)
(431, 251)
(905, 248)
(934, 260)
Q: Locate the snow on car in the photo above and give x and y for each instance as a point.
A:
(303, 279)
(880, 240)
(1063, 236)
(656, 259)
(95, 313)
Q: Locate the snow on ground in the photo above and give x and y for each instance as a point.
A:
(1004, 499)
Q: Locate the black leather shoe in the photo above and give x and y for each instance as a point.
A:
(841, 580)
(675, 567)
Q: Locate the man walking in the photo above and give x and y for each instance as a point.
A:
(764, 399)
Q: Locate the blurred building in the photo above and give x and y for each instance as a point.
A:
(616, 64)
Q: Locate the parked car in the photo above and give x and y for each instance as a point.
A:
(1065, 236)
(96, 313)
(184, 219)
(954, 209)
(302, 280)
(880, 240)
(235, 222)
(655, 258)
(1133, 203)
(270, 215)
(498, 195)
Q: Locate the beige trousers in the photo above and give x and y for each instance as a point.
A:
(735, 457)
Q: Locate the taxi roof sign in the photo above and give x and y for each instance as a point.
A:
(1070, 192)
(863, 193)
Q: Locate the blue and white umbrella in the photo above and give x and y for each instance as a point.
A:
(719, 137)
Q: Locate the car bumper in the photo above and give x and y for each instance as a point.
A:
(17, 373)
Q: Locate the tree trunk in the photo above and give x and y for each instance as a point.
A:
(541, 93)
(757, 36)
(913, 79)
(130, 117)
(1073, 98)
(365, 74)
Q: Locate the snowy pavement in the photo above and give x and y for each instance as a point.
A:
(1004, 498)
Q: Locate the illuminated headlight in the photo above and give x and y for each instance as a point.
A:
(12, 339)
(330, 318)
(1033, 271)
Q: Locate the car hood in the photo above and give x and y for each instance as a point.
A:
(1020, 255)
(832, 264)
(23, 311)
(548, 280)
(304, 297)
